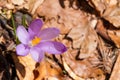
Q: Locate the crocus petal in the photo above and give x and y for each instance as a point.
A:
(22, 50)
(34, 27)
(36, 54)
(49, 33)
(52, 47)
(22, 34)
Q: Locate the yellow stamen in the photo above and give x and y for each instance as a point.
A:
(36, 40)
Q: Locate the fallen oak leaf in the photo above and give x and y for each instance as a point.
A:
(24, 67)
(49, 70)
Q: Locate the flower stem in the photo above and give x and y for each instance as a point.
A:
(14, 28)
(24, 20)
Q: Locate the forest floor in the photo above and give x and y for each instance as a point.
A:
(90, 29)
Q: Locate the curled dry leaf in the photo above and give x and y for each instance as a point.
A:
(24, 67)
(102, 5)
(48, 7)
(113, 16)
(48, 70)
(109, 9)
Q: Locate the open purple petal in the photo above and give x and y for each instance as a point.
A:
(52, 47)
(22, 50)
(34, 27)
(22, 34)
(49, 33)
(37, 54)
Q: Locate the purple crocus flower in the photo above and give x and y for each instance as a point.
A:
(36, 41)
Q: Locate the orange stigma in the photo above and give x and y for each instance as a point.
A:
(35, 41)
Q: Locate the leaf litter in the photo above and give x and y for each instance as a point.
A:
(89, 29)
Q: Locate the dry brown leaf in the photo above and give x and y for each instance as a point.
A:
(49, 70)
(99, 5)
(115, 36)
(116, 70)
(24, 67)
(113, 16)
(48, 7)
(62, 18)
(102, 5)
(27, 69)
(109, 9)
(85, 38)
(102, 31)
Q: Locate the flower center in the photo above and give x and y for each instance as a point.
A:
(35, 41)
